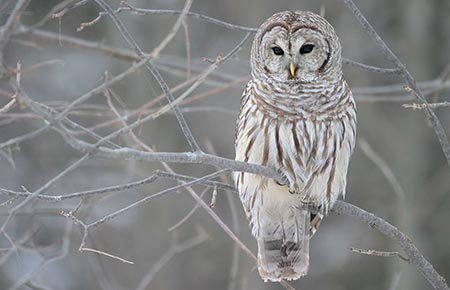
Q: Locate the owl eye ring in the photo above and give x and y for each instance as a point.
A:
(307, 48)
(277, 50)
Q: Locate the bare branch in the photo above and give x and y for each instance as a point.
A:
(388, 71)
(43, 264)
(44, 35)
(429, 114)
(152, 69)
(173, 251)
(425, 268)
(84, 249)
(416, 106)
(379, 253)
(64, 5)
(234, 270)
(63, 11)
(9, 105)
(43, 188)
(188, 48)
(77, 101)
(7, 29)
(390, 177)
(188, 215)
(141, 202)
(128, 7)
(188, 157)
(87, 193)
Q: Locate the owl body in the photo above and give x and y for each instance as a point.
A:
(301, 123)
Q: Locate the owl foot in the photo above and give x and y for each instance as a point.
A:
(284, 179)
(293, 188)
(306, 198)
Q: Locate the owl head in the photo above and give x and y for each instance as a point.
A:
(296, 46)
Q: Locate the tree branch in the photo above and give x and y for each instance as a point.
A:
(429, 113)
(153, 70)
(7, 29)
(425, 268)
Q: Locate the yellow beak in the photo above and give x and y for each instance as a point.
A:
(292, 69)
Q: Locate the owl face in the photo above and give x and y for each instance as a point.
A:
(295, 47)
(301, 54)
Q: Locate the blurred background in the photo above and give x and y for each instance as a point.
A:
(398, 170)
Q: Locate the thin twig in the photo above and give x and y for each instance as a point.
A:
(84, 249)
(64, 5)
(43, 188)
(64, 10)
(212, 204)
(187, 44)
(83, 194)
(234, 269)
(43, 35)
(44, 264)
(389, 71)
(379, 253)
(416, 106)
(153, 196)
(128, 7)
(50, 116)
(24, 137)
(173, 251)
(7, 29)
(390, 177)
(188, 215)
(9, 105)
(34, 286)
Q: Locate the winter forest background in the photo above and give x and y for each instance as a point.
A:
(67, 82)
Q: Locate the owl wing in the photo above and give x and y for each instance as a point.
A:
(241, 116)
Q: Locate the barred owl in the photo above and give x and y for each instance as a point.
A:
(297, 116)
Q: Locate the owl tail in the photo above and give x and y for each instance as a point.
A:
(283, 246)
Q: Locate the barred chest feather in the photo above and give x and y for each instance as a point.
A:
(310, 144)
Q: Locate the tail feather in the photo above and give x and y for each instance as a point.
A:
(283, 247)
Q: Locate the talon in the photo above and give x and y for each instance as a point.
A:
(285, 179)
(279, 183)
(294, 189)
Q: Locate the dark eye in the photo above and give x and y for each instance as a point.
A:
(277, 50)
(307, 48)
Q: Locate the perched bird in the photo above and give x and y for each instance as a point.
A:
(297, 116)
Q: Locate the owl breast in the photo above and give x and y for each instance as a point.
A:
(311, 151)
